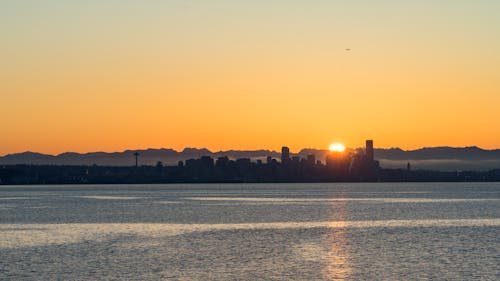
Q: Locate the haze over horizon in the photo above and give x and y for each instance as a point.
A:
(437, 158)
(233, 149)
(108, 76)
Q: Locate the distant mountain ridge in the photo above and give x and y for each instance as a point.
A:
(442, 152)
(440, 158)
(126, 158)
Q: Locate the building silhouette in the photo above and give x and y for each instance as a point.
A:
(222, 161)
(136, 155)
(269, 160)
(207, 161)
(285, 155)
(311, 159)
(370, 157)
(338, 163)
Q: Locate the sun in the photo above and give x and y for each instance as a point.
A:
(337, 147)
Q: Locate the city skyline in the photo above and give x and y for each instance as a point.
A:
(108, 76)
(339, 165)
(430, 158)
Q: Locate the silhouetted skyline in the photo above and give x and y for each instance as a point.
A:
(437, 158)
(340, 165)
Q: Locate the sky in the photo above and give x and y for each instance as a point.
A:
(111, 75)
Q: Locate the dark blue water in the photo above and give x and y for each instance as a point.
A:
(251, 232)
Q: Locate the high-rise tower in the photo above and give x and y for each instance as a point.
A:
(136, 155)
(285, 155)
(369, 151)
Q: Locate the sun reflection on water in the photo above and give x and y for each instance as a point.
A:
(338, 266)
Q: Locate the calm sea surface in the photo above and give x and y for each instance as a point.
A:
(439, 231)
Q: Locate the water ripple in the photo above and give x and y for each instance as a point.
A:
(27, 235)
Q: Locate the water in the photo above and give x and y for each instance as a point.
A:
(251, 232)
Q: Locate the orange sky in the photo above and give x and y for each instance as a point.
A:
(126, 75)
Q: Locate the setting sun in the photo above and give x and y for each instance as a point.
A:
(337, 147)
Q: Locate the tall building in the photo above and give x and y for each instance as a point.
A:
(369, 151)
(285, 155)
(207, 161)
(222, 161)
(136, 155)
(269, 159)
(336, 160)
(311, 159)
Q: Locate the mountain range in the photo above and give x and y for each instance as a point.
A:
(436, 158)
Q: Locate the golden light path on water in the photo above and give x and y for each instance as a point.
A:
(339, 267)
(28, 235)
(371, 200)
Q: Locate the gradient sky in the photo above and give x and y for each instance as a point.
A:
(99, 75)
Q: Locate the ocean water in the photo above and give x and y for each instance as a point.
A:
(334, 231)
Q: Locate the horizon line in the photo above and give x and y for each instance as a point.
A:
(247, 150)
